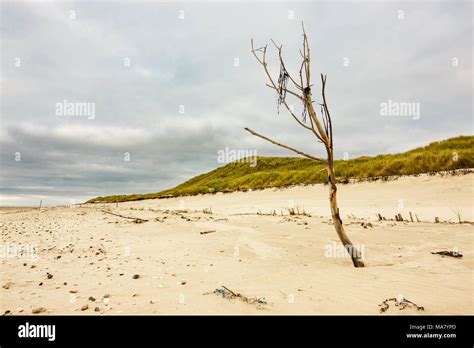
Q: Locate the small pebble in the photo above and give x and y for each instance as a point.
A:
(38, 310)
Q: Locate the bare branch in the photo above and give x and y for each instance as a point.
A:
(255, 50)
(263, 63)
(285, 146)
(328, 115)
(307, 56)
(274, 86)
(324, 118)
(287, 91)
(282, 63)
(301, 123)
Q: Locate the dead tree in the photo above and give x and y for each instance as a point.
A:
(319, 125)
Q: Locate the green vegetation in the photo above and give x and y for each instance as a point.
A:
(450, 154)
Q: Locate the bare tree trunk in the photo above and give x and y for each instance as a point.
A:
(353, 251)
(320, 127)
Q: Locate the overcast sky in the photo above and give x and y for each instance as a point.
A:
(173, 83)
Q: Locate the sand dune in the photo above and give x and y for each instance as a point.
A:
(86, 261)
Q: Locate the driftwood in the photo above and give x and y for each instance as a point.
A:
(206, 232)
(320, 124)
(402, 303)
(135, 219)
(447, 253)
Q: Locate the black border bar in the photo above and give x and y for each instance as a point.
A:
(224, 330)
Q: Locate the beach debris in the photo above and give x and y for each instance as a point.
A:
(135, 276)
(452, 253)
(400, 302)
(49, 275)
(459, 216)
(135, 219)
(227, 293)
(7, 285)
(38, 310)
(73, 291)
(398, 217)
(106, 296)
(206, 232)
(437, 220)
(207, 211)
(91, 299)
(96, 309)
(85, 307)
(296, 211)
(366, 224)
(7, 312)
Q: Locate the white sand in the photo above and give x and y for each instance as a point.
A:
(281, 258)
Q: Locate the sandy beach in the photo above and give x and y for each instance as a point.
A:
(85, 260)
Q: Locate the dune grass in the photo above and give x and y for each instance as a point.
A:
(450, 154)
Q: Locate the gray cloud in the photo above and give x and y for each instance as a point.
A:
(190, 62)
